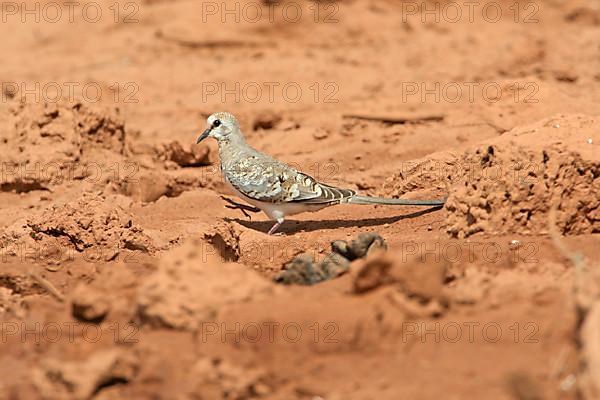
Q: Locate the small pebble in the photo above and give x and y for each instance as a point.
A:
(568, 383)
(53, 267)
(320, 134)
(590, 141)
(556, 125)
(515, 243)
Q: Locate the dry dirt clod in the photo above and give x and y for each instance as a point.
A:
(321, 133)
(372, 274)
(147, 186)
(89, 304)
(510, 189)
(417, 277)
(266, 120)
(85, 141)
(193, 156)
(189, 288)
(523, 387)
(222, 379)
(79, 380)
(88, 223)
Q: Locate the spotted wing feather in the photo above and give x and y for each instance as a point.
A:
(271, 181)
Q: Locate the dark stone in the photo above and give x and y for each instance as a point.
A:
(302, 270)
(334, 265)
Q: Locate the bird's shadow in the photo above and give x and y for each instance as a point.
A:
(294, 226)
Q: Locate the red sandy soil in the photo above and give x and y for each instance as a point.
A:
(125, 276)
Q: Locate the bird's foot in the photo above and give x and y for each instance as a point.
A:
(274, 228)
(234, 205)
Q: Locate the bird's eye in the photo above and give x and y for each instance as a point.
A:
(216, 123)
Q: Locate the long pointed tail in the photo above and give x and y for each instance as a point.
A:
(394, 202)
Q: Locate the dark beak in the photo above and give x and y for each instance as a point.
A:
(204, 135)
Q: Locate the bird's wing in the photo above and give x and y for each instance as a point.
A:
(271, 181)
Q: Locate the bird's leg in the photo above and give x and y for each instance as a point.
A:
(242, 207)
(275, 227)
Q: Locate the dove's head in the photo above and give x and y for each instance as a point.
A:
(221, 126)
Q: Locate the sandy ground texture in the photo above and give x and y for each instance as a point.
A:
(125, 274)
